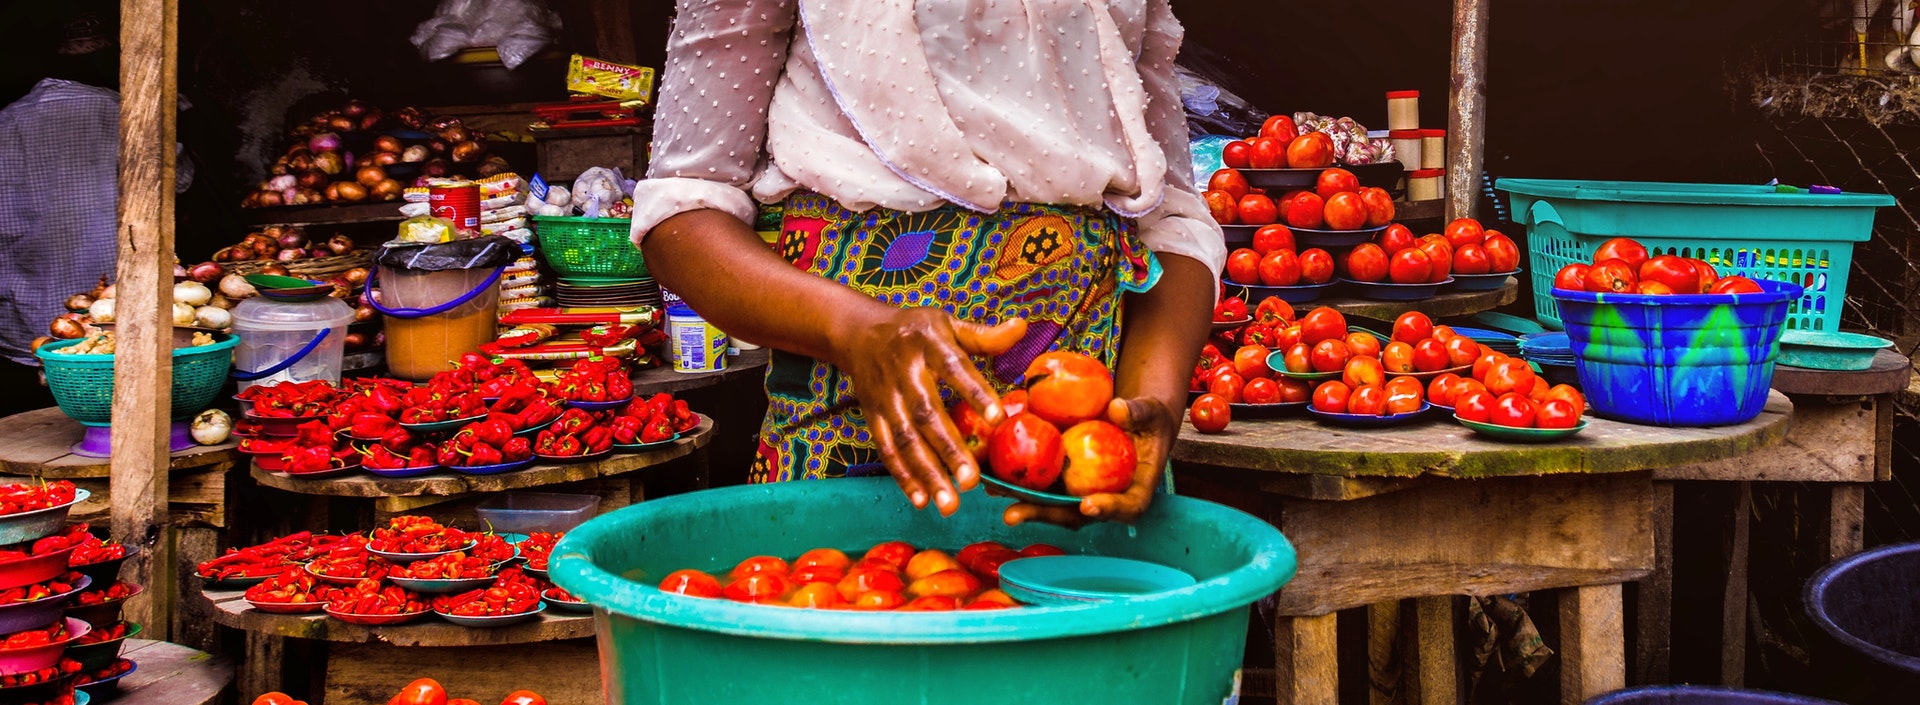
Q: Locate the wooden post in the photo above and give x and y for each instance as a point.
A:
(1466, 124)
(143, 369)
(1653, 647)
(1733, 605)
(1383, 654)
(1434, 662)
(1592, 645)
(1306, 669)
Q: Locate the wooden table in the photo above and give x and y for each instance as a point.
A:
(171, 674)
(749, 363)
(1431, 511)
(1841, 440)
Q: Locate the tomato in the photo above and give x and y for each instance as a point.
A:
(1485, 362)
(425, 691)
(1475, 405)
(1322, 323)
(1279, 127)
(1345, 211)
(1299, 358)
(463, 701)
(1675, 272)
(1013, 403)
(1442, 390)
(1502, 255)
(1444, 333)
(1316, 266)
(1556, 413)
(1429, 355)
(274, 698)
(1404, 395)
(1243, 266)
(1228, 386)
(1611, 275)
(1230, 181)
(1566, 393)
(1409, 266)
(1379, 203)
(1652, 288)
(1267, 153)
(1306, 210)
(1513, 410)
(1273, 309)
(1394, 239)
(1461, 350)
(860, 582)
(1708, 275)
(1294, 391)
(1067, 388)
(1280, 268)
(1397, 357)
(1362, 371)
(928, 562)
(760, 564)
(524, 697)
(1330, 355)
(816, 574)
(1250, 362)
(1370, 400)
(1510, 376)
(1224, 208)
(1313, 150)
(1335, 180)
(970, 554)
(1272, 237)
(1471, 259)
(1366, 262)
(1624, 249)
(896, 553)
(878, 601)
(1332, 397)
(1439, 258)
(1572, 277)
(1464, 231)
(1735, 285)
(1257, 209)
(1412, 327)
(754, 587)
(691, 583)
(1286, 338)
(1261, 391)
(1236, 154)
(1467, 384)
(1040, 549)
(1363, 345)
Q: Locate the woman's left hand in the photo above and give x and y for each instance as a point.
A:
(1153, 427)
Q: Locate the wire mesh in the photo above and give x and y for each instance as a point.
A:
(1856, 37)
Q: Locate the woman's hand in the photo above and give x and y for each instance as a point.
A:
(897, 364)
(1153, 428)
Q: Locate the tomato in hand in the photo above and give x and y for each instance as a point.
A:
(1475, 405)
(1502, 255)
(1332, 397)
(1261, 391)
(1330, 355)
(1624, 249)
(1370, 400)
(1316, 266)
(1322, 323)
(1611, 275)
(1556, 413)
(1572, 277)
(1230, 181)
(1394, 239)
(1272, 237)
(425, 691)
(1366, 262)
(1513, 410)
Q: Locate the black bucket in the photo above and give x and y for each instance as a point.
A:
(1868, 607)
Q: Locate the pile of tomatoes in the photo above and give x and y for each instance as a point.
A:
(1281, 144)
(1505, 391)
(1623, 265)
(1465, 248)
(1056, 430)
(891, 576)
(1336, 202)
(425, 691)
(1272, 261)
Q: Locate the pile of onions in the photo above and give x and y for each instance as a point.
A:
(281, 243)
(319, 167)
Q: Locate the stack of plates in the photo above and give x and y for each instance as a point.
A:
(1499, 341)
(576, 294)
(1547, 348)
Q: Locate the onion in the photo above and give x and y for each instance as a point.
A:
(349, 191)
(455, 133)
(353, 108)
(268, 199)
(387, 143)
(251, 200)
(435, 167)
(192, 293)
(292, 237)
(369, 175)
(264, 248)
(409, 116)
(311, 179)
(438, 146)
(101, 311)
(323, 142)
(332, 192)
(179, 272)
(357, 275)
(106, 293)
(212, 317)
(443, 122)
(281, 182)
(279, 166)
(79, 302)
(221, 301)
(290, 254)
(493, 165)
(182, 314)
(340, 245)
(329, 162)
(383, 158)
(356, 341)
(318, 251)
(305, 196)
(346, 160)
(66, 329)
(371, 119)
(364, 313)
(205, 272)
(297, 163)
(39, 342)
(236, 287)
(342, 123)
(240, 254)
(276, 269)
(416, 153)
(211, 427)
(387, 190)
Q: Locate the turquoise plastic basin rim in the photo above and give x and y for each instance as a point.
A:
(1272, 565)
(1685, 193)
(1835, 340)
(1043, 575)
(1772, 292)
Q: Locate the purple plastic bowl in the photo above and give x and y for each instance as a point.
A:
(14, 662)
(21, 616)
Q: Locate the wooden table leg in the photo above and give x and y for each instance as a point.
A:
(1733, 606)
(1384, 665)
(1305, 653)
(1653, 641)
(1846, 520)
(1592, 645)
(260, 670)
(1435, 662)
(192, 545)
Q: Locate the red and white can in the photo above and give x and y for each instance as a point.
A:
(458, 203)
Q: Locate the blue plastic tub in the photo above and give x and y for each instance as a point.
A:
(1868, 607)
(1701, 695)
(1678, 360)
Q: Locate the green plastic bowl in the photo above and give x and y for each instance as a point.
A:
(1829, 350)
(1181, 646)
(1520, 435)
(1061, 580)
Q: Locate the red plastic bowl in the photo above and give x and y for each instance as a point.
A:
(377, 620)
(35, 569)
(288, 608)
(14, 662)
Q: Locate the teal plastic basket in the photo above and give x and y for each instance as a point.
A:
(83, 384)
(1758, 231)
(589, 249)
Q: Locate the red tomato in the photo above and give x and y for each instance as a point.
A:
(1379, 203)
(1471, 259)
(1366, 262)
(1250, 362)
(1363, 345)
(760, 564)
(1394, 239)
(1572, 277)
(524, 697)
(1363, 371)
(1067, 388)
(1013, 403)
(1735, 285)
(1322, 323)
(1461, 350)
(1286, 338)
(1027, 449)
(1408, 266)
(1231, 181)
(1257, 209)
(1345, 211)
(1332, 397)
(1623, 249)
(274, 698)
(969, 555)
(425, 691)
(1513, 410)
(1313, 150)
(1279, 268)
(1306, 210)
(1040, 549)
(1273, 309)
(1652, 288)
(1443, 389)
(1412, 327)
(1294, 391)
(1370, 400)
(1397, 357)
(878, 601)
(1676, 272)
(1261, 391)
(859, 582)
(1611, 275)
(1464, 231)
(1566, 393)
(692, 583)
(1266, 153)
(1708, 275)
(1502, 255)
(1439, 258)
(1510, 376)
(816, 574)
(1404, 395)
(1272, 237)
(1224, 208)
(897, 553)
(1429, 355)
(1237, 154)
(1556, 413)
(1299, 358)
(1485, 362)
(754, 587)
(1316, 266)
(1279, 127)
(1475, 405)
(1228, 386)
(1444, 333)
(1335, 180)
(1243, 266)
(1330, 355)
(463, 701)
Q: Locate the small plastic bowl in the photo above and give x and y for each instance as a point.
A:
(571, 459)
(108, 570)
(600, 405)
(1073, 579)
(234, 583)
(644, 447)
(401, 473)
(1266, 411)
(491, 469)
(1045, 499)
(1314, 237)
(1384, 291)
(1224, 326)
(436, 586)
(500, 621)
(1429, 375)
(38, 524)
(1829, 350)
(405, 558)
(559, 605)
(105, 687)
(107, 612)
(98, 655)
(1520, 435)
(21, 616)
(1299, 293)
(1370, 420)
(1239, 235)
(34, 569)
(14, 662)
(287, 608)
(1480, 282)
(439, 426)
(532, 431)
(377, 620)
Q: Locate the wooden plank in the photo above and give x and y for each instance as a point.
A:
(1827, 442)
(1479, 537)
(1883, 438)
(1653, 641)
(227, 608)
(265, 658)
(204, 504)
(1592, 645)
(36, 444)
(1435, 681)
(1384, 665)
(326, 214)
(1466, 122)
(143, 376)
(1733, 605)
(1306, 655)
(172, 674)
(1888, 373)
(1440, 447)
(190, 546)
(562, 672)
(613, 31)
(1846, 520)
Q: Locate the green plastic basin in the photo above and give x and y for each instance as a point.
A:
(1830, 350)
(1181, 646)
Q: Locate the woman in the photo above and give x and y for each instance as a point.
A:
(967, 184)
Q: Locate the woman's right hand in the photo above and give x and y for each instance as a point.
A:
(898, 364)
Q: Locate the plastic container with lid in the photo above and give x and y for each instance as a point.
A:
(440, 301)
(294, 341)
(1403, 112)
(1406, 148)
(1433, 148)
(697, 345)
(527, 512)
(1424, 184)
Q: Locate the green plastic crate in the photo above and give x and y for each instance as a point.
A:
(589, 249)
(1757, 231)
(83, 384)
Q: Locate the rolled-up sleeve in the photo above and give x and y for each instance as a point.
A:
(1181, 225)
(710, 126)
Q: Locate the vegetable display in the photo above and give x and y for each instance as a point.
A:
(27, 497)
(891, 576)
(356, 152)
(424, 691)
(267, 559)
(1624, 266)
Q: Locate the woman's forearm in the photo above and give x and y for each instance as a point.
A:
(1164, 328)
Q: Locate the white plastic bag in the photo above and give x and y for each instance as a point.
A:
(517, 29)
